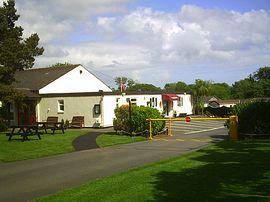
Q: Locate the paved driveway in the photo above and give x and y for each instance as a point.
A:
(29, 179)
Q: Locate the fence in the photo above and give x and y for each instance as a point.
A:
(233, 124)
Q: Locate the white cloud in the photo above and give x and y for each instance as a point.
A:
(145, 41)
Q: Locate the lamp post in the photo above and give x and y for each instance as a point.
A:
(130, 119)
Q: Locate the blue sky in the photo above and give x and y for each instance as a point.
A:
(153, 41)
(174, 5)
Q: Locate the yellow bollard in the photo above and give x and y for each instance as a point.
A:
(233, 130)
(150, 129)
(170, 127)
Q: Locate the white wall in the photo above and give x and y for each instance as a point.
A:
(186, 108)
(110, 103)
(75, 81)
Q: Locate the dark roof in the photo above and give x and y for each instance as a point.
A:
(37, 78)
(30, 94)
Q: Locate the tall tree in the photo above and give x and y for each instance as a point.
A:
(200, 90)
(262, 76)
(124, 82)
(121, 82)
(16, 53)
(256, 85)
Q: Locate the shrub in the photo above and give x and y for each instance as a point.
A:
(254, 117)
(138, 123)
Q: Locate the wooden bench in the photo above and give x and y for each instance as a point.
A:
(52, 123)
(52, 119)
(77, 122)
(24, 131)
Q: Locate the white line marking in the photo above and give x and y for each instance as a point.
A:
(200, 131)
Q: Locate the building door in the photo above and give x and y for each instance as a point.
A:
(27, 113)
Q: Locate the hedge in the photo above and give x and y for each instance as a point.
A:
(254, 117)
(137, 123)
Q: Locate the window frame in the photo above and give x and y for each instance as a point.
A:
(97, 109)
(60, 105)
(180, 102)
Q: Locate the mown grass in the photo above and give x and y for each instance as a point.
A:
(227, 171)
(111, 138)
(50, 144)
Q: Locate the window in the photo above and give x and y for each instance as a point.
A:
(61, 106)
(11, 112)
(97, 109)
(153, 102)
(133, 101)
(180, 102)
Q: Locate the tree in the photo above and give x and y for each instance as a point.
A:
(176, 87)
(262, 76)
(220, 90)
(144, 87)
(200, 90)
(121, 82)
(16, 53)
(124, 83)
(256, 85)
(58, 64)
(246, 88)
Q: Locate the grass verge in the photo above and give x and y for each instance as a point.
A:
(227, 171)
(50, 144)
(111, 138)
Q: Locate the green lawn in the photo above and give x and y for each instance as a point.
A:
(109, 139)
(49, 145)
(227, 171)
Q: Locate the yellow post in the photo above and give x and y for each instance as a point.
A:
(150, 129)
(233, 131)
(170, 127)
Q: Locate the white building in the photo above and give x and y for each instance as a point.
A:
(74, 91)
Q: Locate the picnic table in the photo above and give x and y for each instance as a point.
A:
(51, 125)
(24, 131)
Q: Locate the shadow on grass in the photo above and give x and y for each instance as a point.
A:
(228, 171)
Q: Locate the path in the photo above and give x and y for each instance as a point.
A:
(29, 179)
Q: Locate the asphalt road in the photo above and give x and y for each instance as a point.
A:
(29, 179)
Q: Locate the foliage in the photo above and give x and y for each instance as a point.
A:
(124, 81)
(9, 94)
(220, 90)
(177, 87)
(247, 88)
(256, 85)
(3, 126)
(144, 87)
(200, 90)
(254, 117)
(138, 123)
(16, 53)
(58, 64)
